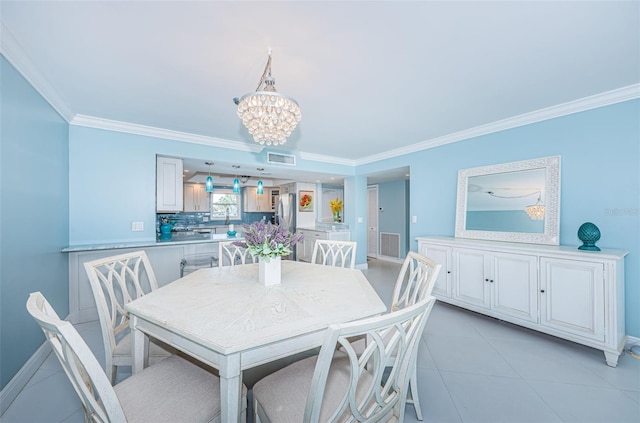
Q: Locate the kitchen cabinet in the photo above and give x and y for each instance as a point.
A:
(254, 202)
(168, 185)
(196, 198)
(304, 249)
(559, 290)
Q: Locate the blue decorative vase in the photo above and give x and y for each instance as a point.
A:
(588, 234)
(165, 231)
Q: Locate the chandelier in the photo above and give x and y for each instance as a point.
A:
(535, 211)
(268, 115)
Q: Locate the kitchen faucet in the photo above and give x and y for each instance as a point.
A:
(226, 221)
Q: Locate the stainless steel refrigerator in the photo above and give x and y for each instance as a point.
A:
(286, 216)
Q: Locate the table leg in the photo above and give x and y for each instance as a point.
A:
(137, 346)
(230, 389)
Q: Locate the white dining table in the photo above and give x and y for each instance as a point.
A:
(225, 318)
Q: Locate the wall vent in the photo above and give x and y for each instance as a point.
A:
(390, 244)
(282, 159)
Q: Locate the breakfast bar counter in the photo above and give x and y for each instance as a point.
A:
(165, 257)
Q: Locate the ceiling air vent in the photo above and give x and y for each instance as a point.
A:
(282, 159)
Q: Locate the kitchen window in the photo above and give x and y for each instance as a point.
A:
(225, 201)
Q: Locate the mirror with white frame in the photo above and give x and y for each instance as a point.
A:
(517, 202)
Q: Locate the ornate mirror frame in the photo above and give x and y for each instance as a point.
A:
(550, 234)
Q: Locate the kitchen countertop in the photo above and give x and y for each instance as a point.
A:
(324, 228)
(177, 238)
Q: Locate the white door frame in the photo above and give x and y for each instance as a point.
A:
(373, 212)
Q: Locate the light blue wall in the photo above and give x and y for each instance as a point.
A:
(113, 177)
(394, 201)
(355, 213)
(34, 215)
(600, 181)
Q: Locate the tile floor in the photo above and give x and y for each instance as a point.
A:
(471, 368)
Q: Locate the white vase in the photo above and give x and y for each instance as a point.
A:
(270, 271)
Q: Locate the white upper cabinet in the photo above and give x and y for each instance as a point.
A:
(254, 202)
(196, 198)
(168, 185)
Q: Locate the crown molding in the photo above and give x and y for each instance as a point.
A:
(135, 129)
(14, 53)
(587, 103)
(326, 159)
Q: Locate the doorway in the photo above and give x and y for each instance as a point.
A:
(372, 221)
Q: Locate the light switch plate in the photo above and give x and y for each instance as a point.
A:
(137, 226)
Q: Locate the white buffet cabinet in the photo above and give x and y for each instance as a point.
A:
(559, 290)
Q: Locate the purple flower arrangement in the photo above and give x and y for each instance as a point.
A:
(266, 240)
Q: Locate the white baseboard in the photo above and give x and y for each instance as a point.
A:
(631, 340)
(10, 392)
(387, 258)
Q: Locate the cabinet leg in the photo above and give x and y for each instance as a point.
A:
(612, 358)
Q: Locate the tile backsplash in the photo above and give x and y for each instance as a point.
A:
(183, 220)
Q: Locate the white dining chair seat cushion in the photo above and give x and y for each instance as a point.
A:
(283, 394)
(194, 393)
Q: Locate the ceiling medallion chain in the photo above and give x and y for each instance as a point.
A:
(268, 115)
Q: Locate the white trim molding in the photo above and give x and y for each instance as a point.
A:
(151, 131)
(15, 55)
(592, 102)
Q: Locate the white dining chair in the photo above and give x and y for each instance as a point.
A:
(173, 390)
(231, 255)
(116, 281)
(342, 385)
(415, 282)
(334, 253)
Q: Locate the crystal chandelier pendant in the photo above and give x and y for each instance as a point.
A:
(269, 116)
(535, 211)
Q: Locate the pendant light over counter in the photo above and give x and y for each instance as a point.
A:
(208, 185)
(260, 189)
(236, 181)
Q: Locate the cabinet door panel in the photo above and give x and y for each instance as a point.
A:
(195, 199)
(168, 185)
(573, 298)
(470, 285)
(442, 256)
(515, 285)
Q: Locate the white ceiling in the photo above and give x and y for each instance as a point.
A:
(370, 77)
